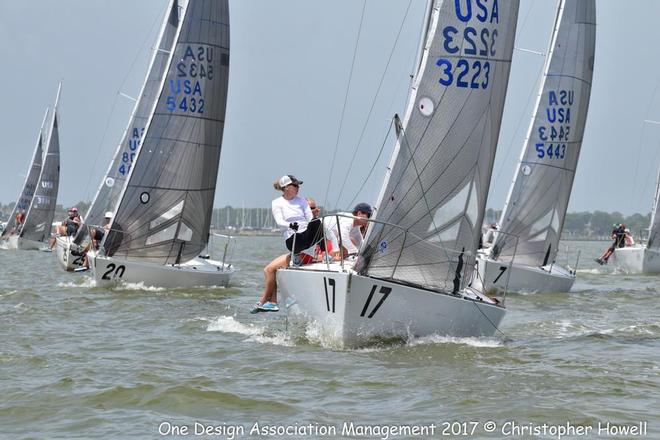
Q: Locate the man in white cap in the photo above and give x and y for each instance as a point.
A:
(350, 231)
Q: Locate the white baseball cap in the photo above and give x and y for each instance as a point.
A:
(108, 214)
(289, 180)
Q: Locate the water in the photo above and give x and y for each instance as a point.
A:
(83, 362)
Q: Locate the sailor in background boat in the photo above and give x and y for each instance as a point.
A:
(96, 235)
(620, 236)
(20, 219)
(68, 227)
(294, 216)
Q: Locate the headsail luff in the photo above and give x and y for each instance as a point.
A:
(40, 215)
(440, 175)
(165, 209)
(539, 195)
(654, 228)
(25, 199)
(113, 182)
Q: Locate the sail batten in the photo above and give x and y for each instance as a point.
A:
(439, 176)
(538, 198)
(165, 208)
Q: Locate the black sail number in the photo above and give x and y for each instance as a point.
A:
(329, 282)
(385, 291)
(502, 270)
(118, 271)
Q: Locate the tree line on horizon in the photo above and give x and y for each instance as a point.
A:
(597, 224)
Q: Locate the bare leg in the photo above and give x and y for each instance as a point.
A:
(270, 284)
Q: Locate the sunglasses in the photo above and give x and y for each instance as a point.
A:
(312, 207)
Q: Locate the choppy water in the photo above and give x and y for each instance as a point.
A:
(83, 362)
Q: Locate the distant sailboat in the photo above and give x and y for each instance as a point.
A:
(39, 197)
(644, 258)
(412, 274)
(29, 187)
(69, 250)
(539, 195)
(162, 220)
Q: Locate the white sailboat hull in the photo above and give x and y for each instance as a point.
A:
(520, 278)
(15, 242)
(68, 261)
(637, 259)
(351, 310)
(197, 272)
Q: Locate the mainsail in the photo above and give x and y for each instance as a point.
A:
(539, 195)
(112, 184)
(25, 199)
(654, 229)
(39, 218)
(434, 198)
(165, 209)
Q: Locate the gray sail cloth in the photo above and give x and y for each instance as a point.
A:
(113, 182)
(25, 199)
(165, 209)
(540, 193)
(39, 218)
(443, 161)
(654, 229)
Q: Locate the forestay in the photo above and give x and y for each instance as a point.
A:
(39, 218)
(25, 199)
(539, 195)
(164, 212)
(441, 168)
(112, 184)
(654, 229)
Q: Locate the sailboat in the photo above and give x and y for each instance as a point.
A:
(412, 274)
(161, 222)
(643, 258)
(70, 253)
(39, 196)
(523, 255)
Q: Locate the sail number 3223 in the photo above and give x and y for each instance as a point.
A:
(476, 43)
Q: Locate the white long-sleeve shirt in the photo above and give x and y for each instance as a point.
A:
(286, 212)
(351, 236)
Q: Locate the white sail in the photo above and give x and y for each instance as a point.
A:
(539, 195)
(654, 229)
(113, 182)
(164, 212)
(40, 215)
(439, 179)
(25, 199)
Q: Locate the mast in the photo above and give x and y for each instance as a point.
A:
(433, 197)
(45, 195)
(538, 197)
(31, 179)
(539, 95)
(426, 39)
(107, 193)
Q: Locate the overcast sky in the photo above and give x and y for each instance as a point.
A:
(290, 66)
